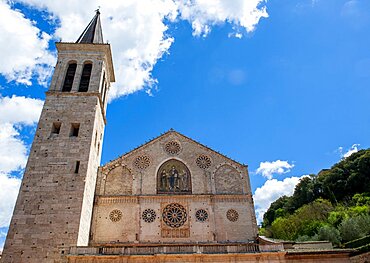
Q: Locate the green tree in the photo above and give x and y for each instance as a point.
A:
(329, 233)
(271, 213)
(346, 185)
(303, 193)
(284, 228)
(305, 221)
(362, 199)
(336, 217)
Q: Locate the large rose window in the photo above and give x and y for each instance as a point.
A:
(174, 215)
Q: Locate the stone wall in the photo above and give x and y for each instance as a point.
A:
(216, 201)
(132, 224)
(46, 218)
(54, 206)
(270, 257)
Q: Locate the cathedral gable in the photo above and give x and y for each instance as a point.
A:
(173, 164)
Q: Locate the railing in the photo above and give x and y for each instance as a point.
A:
(176, 249)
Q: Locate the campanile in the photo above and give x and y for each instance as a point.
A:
(54, 206)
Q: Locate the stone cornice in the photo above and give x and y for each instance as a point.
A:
(171, 198)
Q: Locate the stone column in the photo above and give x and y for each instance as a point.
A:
(77, 78)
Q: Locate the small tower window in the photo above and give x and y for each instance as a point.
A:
(85, 78)
(55, 129)
(68, 81)
(77, 167)
(75, 128)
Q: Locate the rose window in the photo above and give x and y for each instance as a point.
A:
(148, 215)
(203, 161)
(172, 147)
(174, 215)
(142, 162)
(232, 215)
(201, 215)
(115, 215)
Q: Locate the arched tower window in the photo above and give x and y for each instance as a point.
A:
(70, 75)
(173, 177)
(85, 78)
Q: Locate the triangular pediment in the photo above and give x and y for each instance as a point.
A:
(172, 143)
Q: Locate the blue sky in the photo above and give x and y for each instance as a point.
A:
(289, 97)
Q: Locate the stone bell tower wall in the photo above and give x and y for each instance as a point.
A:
(54, 207)
(47, 215)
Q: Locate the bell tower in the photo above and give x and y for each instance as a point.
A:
(54, 206)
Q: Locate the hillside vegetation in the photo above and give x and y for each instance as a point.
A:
(333, 205)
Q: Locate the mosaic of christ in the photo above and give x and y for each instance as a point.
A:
(173, 177)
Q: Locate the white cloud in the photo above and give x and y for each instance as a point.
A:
(9, 187)
(137, 29)
(19, 110)
(206, 13)
(16, 111)
(13, 151)
(271, 191)
(23, 48)
(267, 169)
(348, 152)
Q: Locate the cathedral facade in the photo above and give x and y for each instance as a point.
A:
(173, 190)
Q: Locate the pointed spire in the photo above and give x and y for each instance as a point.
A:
(93, 33)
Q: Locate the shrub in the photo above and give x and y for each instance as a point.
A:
(329, 233)
(355, 227)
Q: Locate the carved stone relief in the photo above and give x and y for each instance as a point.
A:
(149, 215)
(118, 182)
(203, 161)
(201, 215)
(228, 180)
(115, 215)
(172, 147)
(232, 215)
(142, 162)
